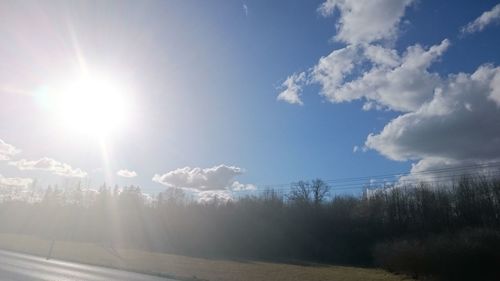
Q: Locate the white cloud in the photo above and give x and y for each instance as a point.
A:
(237, 186)
(126, 173)
(292, 89)
(382, 56)
(366, 21)
(361, 22)
(331, 71)
(358, 148)
(148, 199)
(420, 171)
(444, 121)
(15, 182)
(459, 124)
(398, 83)
(442, 171)
(213, 195)
(495, 89)
(49, 165)
(215, 178)
(7, 151)
(487, 18)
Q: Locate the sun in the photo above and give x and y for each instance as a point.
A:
(95, 105)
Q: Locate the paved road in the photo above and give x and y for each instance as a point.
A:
(21, 267)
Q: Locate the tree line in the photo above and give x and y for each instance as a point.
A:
(388, 228)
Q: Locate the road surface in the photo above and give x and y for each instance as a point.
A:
(21, 267)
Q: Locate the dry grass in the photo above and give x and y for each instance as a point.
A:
(188, 267)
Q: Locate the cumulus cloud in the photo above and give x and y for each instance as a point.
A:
(213, 195)
(487, 18)
(440, 171)
(215, 178)
(379, 75)
(331, 71)
(495, 89)
(366, 21)
(444, 120)
(292, 89)
(394, 82)
(237, 186)
(15, 182)
(7, 151)
(361, 22)
(460, 122)
(225, 195)
(126, 173)
(49, 165)
(382, 56)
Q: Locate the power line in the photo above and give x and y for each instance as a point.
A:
(360, 182)
(360, 187)
(433, 171)
(394, 175)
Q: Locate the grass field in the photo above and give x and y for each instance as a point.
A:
(188, 267)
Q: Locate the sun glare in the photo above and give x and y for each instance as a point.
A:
(93, 105)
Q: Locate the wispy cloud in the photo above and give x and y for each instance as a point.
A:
(292, 89)
(245, 9)
(49, 165)
(487, 18)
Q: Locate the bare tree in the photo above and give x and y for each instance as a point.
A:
(301, 192)
(315, 191)
(319, 190)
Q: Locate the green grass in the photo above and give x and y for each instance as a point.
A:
(188, 267)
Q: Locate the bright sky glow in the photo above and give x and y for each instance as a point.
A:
(245, 94)
(92, 104)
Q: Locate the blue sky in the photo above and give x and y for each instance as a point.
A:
(205, 79)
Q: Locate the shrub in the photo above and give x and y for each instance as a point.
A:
(472, 254)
